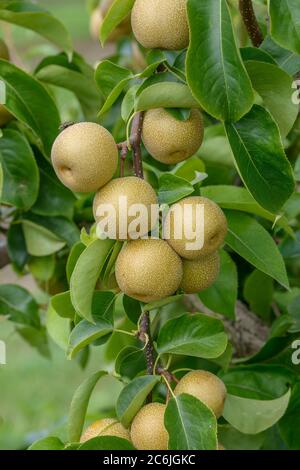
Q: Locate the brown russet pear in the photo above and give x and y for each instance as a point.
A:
(123, 194)
(206, 387)
(161, 24)
(185, 226)
(105, 427)
(199, 275)
(85, 157)
(170, 140)
(148, 270)
(97, 17)
(148, 430)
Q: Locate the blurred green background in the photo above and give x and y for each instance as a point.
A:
(36, 392)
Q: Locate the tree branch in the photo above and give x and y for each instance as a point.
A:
(251, 23)
(135, 142)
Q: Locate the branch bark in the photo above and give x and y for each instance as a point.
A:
(251, 23)
(135, 142)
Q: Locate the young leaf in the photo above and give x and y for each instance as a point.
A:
(58, 328)
(193, 335)
(79, 406)
(106, 443)
(117, 12)
(260, 158)
(215, 71)
(39, 240)
(285, 23)
(191, 425)
(86, 274)
(222, 296)
(24, 95)
(86, 333)
(74, 255)
(133, 396)
(254, 416)
(33, 17)
(274, 86)
(252, 242)
(165, 95)
(20, 171)
(173, 188)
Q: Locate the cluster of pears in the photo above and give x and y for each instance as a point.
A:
(85, 158)
(148, 430)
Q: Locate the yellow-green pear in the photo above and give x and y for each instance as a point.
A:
(85, 157)
(148, 430)
(105, 427)
(170, 140)
(148, 270)
(195, 227)
(206, 387)
(132, 200)
(161, 24)
(199, 275)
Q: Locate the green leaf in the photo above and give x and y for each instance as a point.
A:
(132, 308)
(274, 86)
(79, 406)
(286, 59)
(253, 243)
(20, 171)
(165, 95)
(193, 335)
(222, 296)
(47, 443)
(291, 420)
(39, 240)
(63, 228)
(133, 396)
(24, 95)
(260, 158)
(61, 303)
(36, 338)
(42, 268)
(161, 303)
(253, 53)
(130, 362)
(189, 169)
(111, 80)
(86, 274)
(117, 12)
(37, 19)
(173, 188)
(215, 71)
(285, 23)
(258, 292)
(254, 416)
(58, 327)
(86, 333)
(128, 102)
(107, 443)
(74, 255)
(233, 197)
(261, 381)
(16, 246)
(18, 305)
(82, 85)
(191, 425)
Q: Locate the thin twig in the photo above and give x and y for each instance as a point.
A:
(123, 155)
(251, 23)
